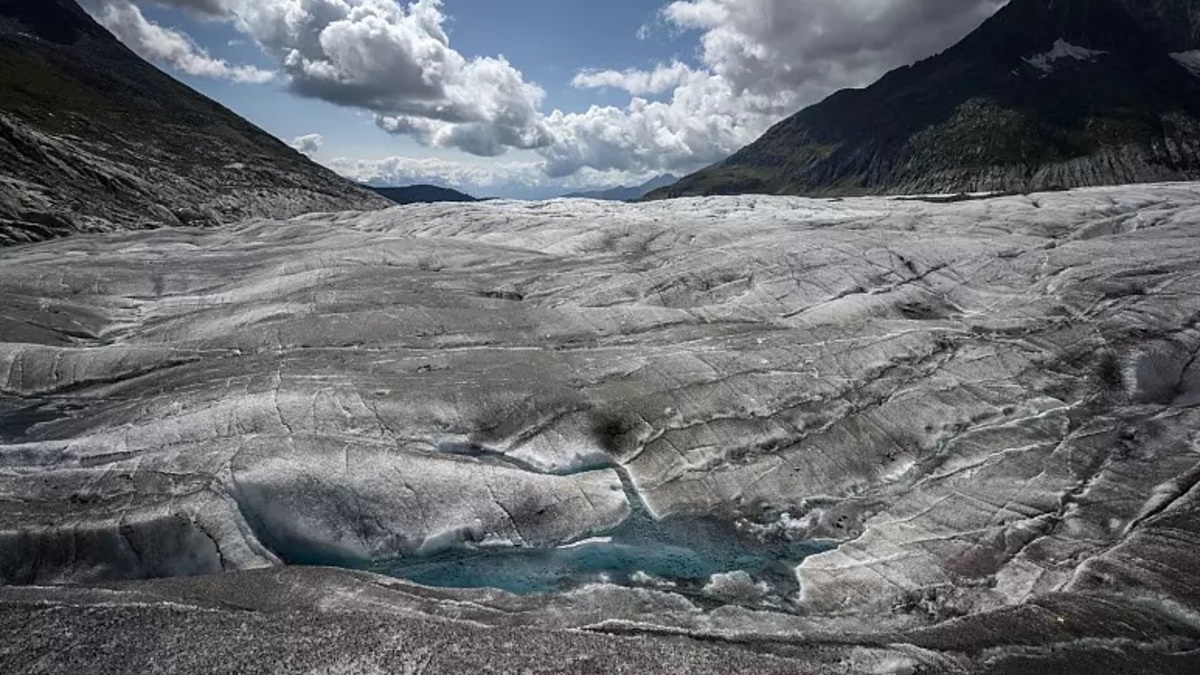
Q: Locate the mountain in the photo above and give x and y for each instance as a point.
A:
(422, 194)
(1046, 94)
(93, 138)
(1174, 22)
(627, 194)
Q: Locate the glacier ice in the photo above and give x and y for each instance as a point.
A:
(920, 409)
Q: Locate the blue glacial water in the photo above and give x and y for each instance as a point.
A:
(684, 550)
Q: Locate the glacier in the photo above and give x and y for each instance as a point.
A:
(881, 435)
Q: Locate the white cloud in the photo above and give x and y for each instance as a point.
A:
(525, 178)
(164, 45)
(391, 59)
(701, 123)
(309, 144)
(806, 49)
(759, 61)
(636, 82)
(396, 61)
(408, 170)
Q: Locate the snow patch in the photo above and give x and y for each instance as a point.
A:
(1189, 60)
(1062, 50)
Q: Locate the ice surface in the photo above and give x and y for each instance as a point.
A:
(974, 404)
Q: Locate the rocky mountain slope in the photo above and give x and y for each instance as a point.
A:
(422, 194)
(94, 138)
(622, 193)
(1046, 94)
(752, 434)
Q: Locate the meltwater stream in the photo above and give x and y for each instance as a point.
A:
(679, 552)
(683, 552)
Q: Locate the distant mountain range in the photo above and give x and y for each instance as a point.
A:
(1045, 94)
(94, 138)
(627, 194)
(422, 194)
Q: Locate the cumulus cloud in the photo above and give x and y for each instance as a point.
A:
(396, 61)
(167, 46)
(758, 61)
(806, 49)
(701, 123)
(309, 144)
(408, 170)
(637, 82)
(525, 178)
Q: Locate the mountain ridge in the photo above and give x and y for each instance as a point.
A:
(422, 194)
(1045, 94)
(93, 138)
(622, 193)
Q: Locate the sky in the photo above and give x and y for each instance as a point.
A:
(528, 98)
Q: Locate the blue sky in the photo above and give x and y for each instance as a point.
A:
(528, 98)
(570, 37)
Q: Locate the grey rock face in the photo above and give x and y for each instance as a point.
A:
(985, 409)
(92, 138)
